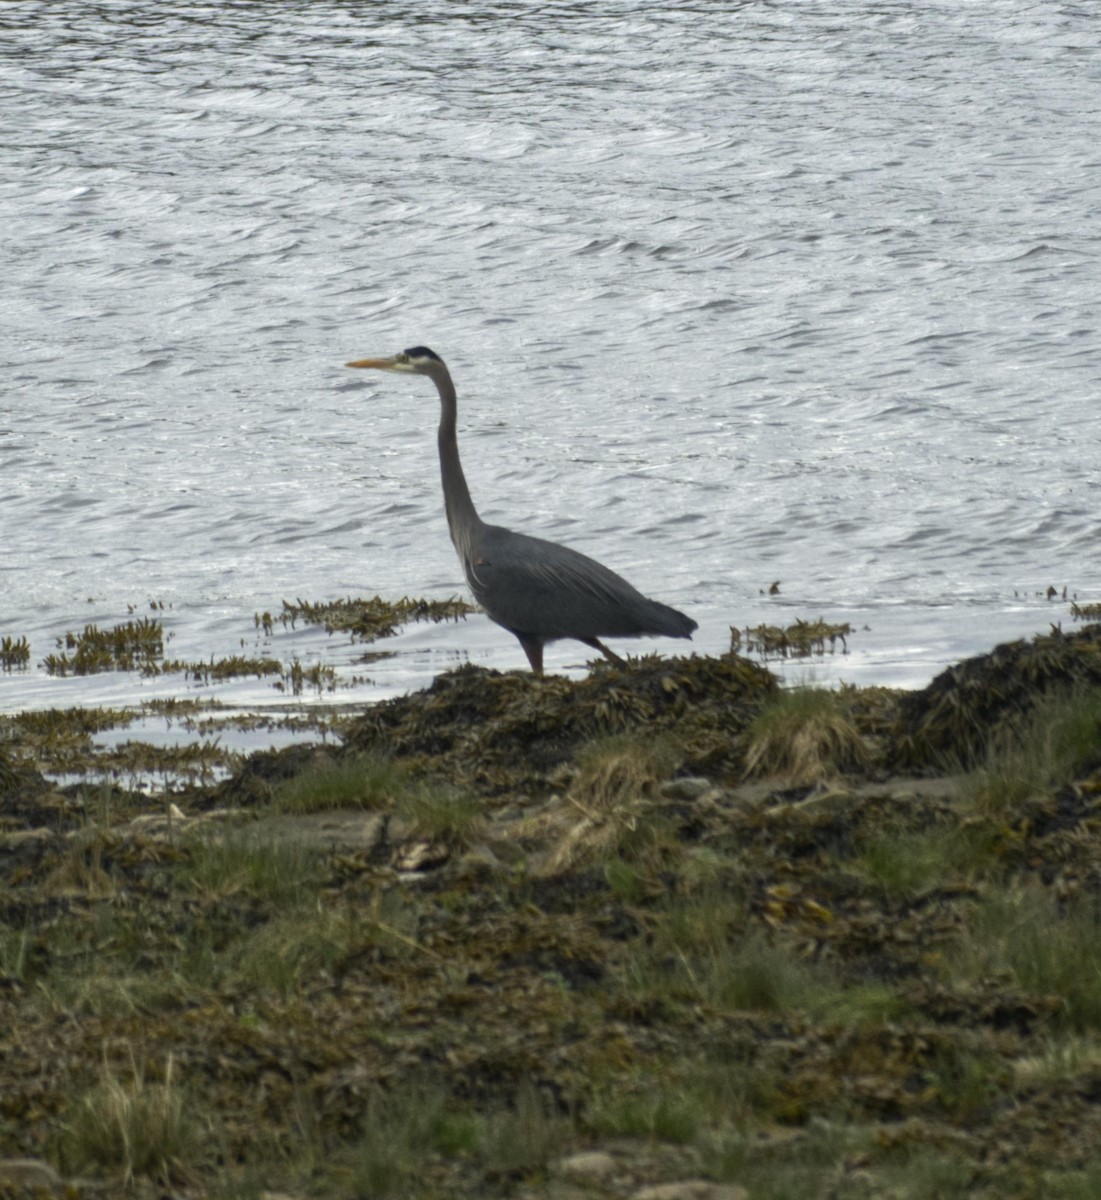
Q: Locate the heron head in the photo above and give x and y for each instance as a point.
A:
(418, 360)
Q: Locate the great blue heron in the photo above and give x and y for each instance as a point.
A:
(535, 589)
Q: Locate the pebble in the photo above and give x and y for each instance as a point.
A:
(690, 788)
(19, 837)
(692, 1189)
(591, 1164)
(27, 1174)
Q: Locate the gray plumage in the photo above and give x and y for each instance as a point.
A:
(539, 591)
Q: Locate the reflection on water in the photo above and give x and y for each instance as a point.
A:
(731, 294)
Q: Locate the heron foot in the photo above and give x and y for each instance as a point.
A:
(610, 655)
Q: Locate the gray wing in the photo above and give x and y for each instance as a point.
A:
(544, 590)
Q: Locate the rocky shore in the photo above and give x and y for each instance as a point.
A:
(669, 932)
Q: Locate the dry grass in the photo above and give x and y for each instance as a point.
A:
(609, 809)
(80, 870)
(803, 737)
(132, 1128)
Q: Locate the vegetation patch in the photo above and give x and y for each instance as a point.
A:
(805, 736)
(611, 812)
(129, 1127)
(364, 781)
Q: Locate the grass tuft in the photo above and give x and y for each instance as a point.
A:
(794, 1165)
(302, 948)
(803, 736)
(132, 1128)
(524, 1137)
(1060, 738)
(366, 781)
(651, 1108)
(225, 862)
(1052, 949)
(609, 811)
(906, 863)
(439, 813)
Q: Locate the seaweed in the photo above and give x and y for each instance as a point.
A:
(799, 640)
(126, 647)
(956, 717)
(14, 653)
(366, 619)
(512, 731)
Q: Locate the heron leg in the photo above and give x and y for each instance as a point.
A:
(610, 655)
(533, 648)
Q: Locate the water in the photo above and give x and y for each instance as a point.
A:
(732, 294)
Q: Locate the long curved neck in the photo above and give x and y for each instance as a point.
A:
(462, 517)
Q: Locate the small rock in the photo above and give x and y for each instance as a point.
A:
(27, 1174)
(420, 856)
(692, 787)
(479, 860)
(592, 1164)
(692, 1189)
(19, 837)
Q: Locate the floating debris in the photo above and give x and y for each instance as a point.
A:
(197, 762)
(795, 641)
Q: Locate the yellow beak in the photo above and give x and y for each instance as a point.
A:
(381, 364)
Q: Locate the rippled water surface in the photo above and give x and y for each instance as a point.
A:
(733, 293)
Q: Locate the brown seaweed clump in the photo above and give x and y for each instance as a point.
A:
(957, 715)
(504, 732)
